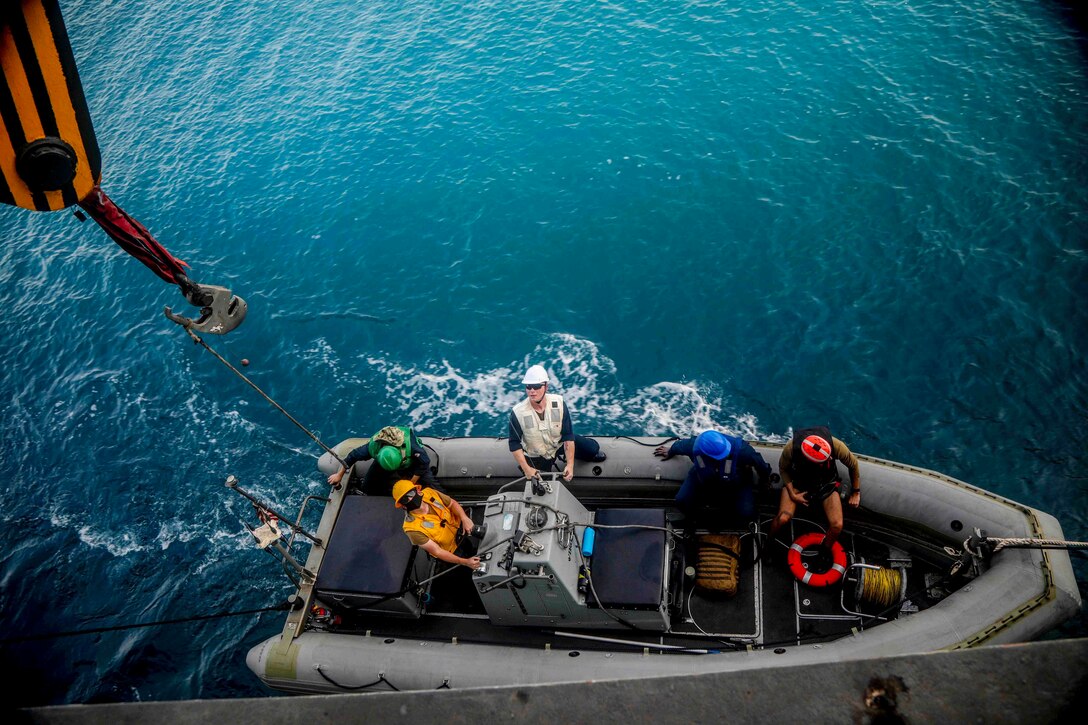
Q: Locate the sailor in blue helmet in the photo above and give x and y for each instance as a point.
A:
(723, 475)
(397, 454)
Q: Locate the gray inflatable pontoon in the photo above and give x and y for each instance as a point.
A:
(371, 615)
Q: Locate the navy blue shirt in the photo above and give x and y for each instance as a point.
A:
(706, 468)
(418, 463)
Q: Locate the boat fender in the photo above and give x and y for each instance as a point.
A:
(588, 539)
(813, 579)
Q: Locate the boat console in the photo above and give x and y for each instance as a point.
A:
(549, 561)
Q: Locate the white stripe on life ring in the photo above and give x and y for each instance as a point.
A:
(806, 577)
(839, 568)
(796, 548)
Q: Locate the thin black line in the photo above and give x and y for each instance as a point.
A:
(7, 109)
(41, 202)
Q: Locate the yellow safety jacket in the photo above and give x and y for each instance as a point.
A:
(440, 524)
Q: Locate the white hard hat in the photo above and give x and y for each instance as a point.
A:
(535, 375)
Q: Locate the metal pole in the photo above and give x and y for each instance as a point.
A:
(232, 482)
(306, 574)
(188, 329)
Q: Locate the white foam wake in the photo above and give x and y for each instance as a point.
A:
(444, 400)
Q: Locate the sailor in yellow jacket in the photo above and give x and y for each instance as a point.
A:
(436, 523)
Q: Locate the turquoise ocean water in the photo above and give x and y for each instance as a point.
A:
(751, 216)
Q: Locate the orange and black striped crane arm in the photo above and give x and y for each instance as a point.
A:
(49, 156)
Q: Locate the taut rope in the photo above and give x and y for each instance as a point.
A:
(263, 394)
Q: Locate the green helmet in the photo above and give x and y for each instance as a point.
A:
(390, 458)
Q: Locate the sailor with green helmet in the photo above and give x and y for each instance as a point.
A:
(398, 454)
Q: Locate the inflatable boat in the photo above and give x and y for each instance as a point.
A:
(599, 578)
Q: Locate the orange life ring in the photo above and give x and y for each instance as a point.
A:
(801, 572)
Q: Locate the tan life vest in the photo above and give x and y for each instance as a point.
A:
(540, 438)
(439, 524)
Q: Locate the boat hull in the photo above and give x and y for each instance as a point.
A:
(1021, 595)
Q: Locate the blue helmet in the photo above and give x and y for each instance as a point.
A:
(712, 443)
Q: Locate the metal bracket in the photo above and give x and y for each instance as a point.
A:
(526, 545)
(220, 310)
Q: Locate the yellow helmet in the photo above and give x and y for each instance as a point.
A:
(402, 487)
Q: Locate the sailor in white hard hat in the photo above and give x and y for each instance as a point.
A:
(541, 430)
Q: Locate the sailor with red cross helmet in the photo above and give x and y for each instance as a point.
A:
(724, 473)
(809, 475)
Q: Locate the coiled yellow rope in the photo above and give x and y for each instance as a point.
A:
(881, 586)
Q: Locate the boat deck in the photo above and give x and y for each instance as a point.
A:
(770, 608)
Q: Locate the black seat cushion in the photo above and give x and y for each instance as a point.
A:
(628, 564)
(368, 552)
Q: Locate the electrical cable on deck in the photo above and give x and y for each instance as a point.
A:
(447, 570)
(648, 445)
(557, 512)
(593, 589)
(334, 683)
